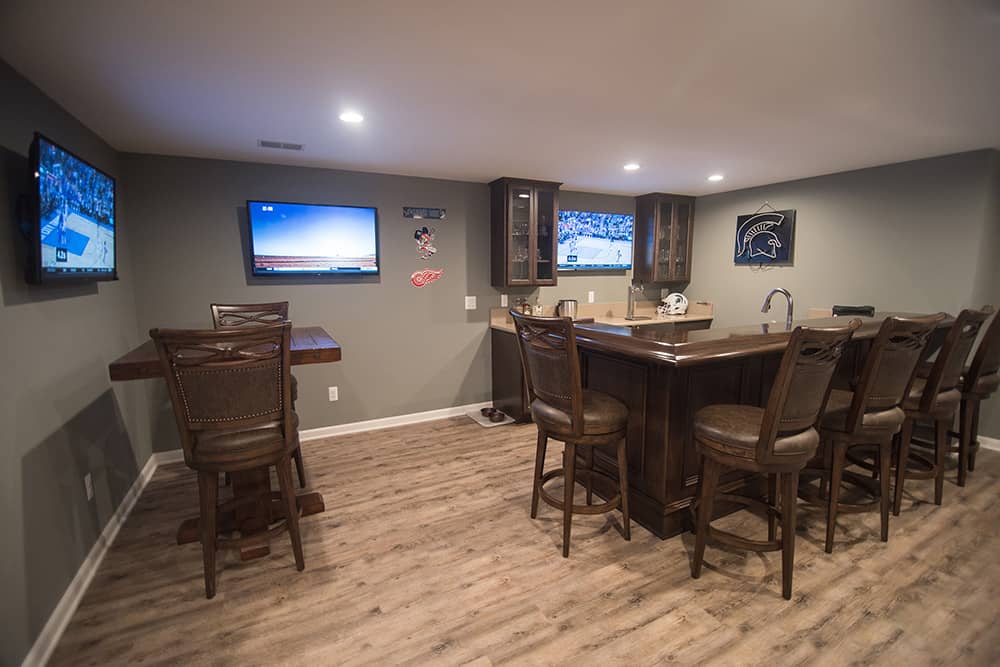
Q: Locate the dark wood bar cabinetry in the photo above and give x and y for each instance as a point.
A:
(665, 375)
(523, 234)
(663, 234)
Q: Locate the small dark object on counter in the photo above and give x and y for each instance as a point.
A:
(496, 416)
(486, 412)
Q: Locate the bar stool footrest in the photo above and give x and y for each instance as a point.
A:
(610, 505)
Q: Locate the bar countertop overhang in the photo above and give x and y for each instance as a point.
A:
(685, 347)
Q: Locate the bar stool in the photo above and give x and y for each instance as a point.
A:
(239, 315)
(979, 381)
(777, 440)
(870, 415)
(936, 399)
(580, 418)
(231, 396)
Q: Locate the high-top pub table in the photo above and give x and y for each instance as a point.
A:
(310, 345)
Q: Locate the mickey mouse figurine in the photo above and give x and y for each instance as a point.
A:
(425, 237)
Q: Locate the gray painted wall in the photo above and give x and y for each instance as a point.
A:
(918, 236)
(404, 349)
(61, 416)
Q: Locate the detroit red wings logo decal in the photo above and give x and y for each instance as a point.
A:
(421, 278)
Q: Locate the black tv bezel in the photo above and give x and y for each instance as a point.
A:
(333, 275)
(591, 268)
(36, 272)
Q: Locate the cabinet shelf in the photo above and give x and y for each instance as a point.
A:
(523, 216)
(663, 231)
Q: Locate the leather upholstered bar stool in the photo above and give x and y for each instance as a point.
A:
(871, 415)
(238, 315)
(979, 381)
(563, 410)
(231, 396)
(936, 398)
(777, 440)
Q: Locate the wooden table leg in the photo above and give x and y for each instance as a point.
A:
(253, 517)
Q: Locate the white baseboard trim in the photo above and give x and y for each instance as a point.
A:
(388, 422)
(989, 443)
(54, 628)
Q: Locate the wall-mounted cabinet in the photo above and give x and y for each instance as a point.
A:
(524, 237)
(663, 235)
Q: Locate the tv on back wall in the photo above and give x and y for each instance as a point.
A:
(312, 239)
(594, 241)
(72, 222)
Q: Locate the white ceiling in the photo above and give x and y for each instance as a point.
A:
(762, 91)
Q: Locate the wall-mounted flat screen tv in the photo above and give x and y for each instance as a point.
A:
(72, 229)
(312, 239)
(593, 241)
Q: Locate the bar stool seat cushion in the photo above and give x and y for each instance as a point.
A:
(986, 384)
(946, 403)
(737, 429)
(222, 446)
(602, 415)
(835, 415)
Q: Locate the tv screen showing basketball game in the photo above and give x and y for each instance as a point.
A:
(592, 241)
(74, 235)
(312, 239)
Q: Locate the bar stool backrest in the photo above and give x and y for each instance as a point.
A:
(551, 363)
(890, 366)
(802, 385)
(987, 358)
(946, 373)
(227, 379)
(227, 316)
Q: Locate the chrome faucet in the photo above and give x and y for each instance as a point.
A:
(630, 313)
(767, 305)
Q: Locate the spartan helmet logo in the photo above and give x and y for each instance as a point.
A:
(755, 238)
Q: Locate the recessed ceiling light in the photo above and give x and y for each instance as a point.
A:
(351, 117)
(631, 166)
(716, 177)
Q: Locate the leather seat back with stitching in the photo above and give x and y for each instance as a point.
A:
(890, 366)
(227, 379)
(802, 384)
(551, 364)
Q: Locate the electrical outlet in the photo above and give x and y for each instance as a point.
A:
(503, 300)
(88, 484)
(334, 394)
(470, 303)
(590, 296)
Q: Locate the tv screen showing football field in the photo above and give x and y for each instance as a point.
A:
(312, 239)
(595, 241)
(76, 215)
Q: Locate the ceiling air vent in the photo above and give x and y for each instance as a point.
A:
(285, 146)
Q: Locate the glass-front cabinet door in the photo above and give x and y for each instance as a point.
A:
(664, 246)
(519, 242)
(682, 241)
(545, 231)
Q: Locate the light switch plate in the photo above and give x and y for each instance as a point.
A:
(503, 300)
(470, 303)
(334, 394)
(590, 296)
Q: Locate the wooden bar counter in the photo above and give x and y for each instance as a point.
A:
(664, 375)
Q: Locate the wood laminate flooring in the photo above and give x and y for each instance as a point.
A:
(426, 554)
